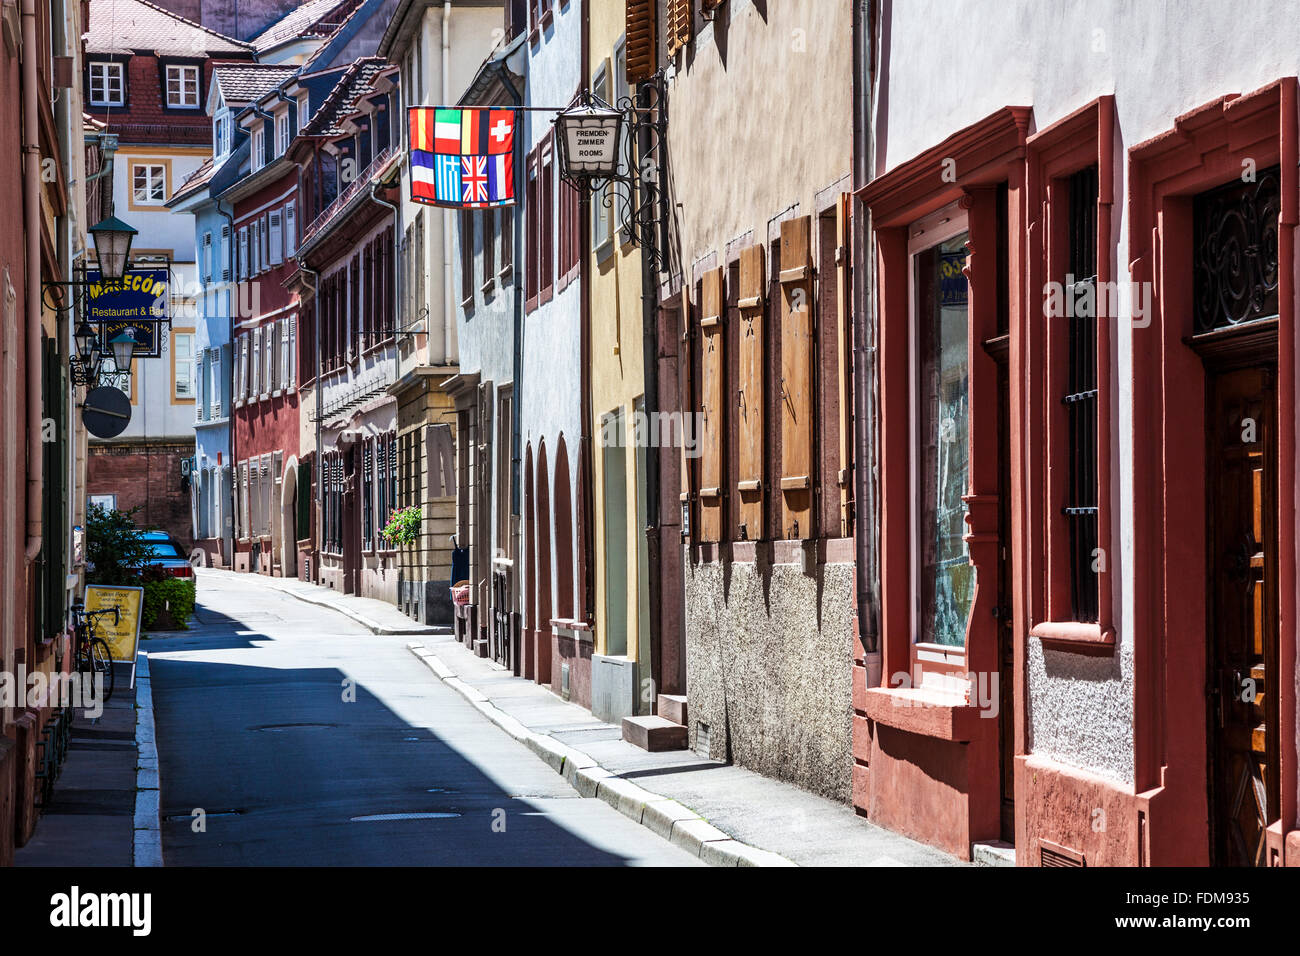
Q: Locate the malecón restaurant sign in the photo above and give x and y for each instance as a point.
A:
(135, 305)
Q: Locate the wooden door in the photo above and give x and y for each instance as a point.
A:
(998, 349)
(1243, 612)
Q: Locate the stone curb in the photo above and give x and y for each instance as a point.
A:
(667, 818)
(146, 849)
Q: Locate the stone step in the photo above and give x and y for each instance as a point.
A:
(673, 707)
(993, 853)
(654, 733)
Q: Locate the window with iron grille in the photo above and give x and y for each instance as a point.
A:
(1235, 279)
(392, 470)
(367, 497)
(1080, 398)
(382, 507)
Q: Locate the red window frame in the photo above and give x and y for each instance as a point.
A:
(1084, 138)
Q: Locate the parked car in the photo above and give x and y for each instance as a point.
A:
(168, 554)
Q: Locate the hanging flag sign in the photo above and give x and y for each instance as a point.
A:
(462, 158)
(135, 305)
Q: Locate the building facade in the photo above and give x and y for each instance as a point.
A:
(754, 304)
(147, 76)
(437, 48)
(1121, 414)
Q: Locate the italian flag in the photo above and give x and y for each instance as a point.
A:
(446, 131)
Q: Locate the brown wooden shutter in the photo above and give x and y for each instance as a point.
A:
(844, 344)
(641, 54)
(713, 420)
(681, 21)
(749, 393)
(686, 403)
(796, 377)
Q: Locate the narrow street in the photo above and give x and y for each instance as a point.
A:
(292, 727)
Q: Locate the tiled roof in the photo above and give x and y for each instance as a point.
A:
(121, 26)
(349, 90)
(200, 177)
(315, 18)
(245, 82)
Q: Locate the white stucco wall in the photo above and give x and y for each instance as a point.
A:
(549, 394)
(950, 64)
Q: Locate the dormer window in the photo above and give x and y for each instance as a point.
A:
(107, 84)
(257, 149)
(282, 133)
(183, 87)
(221, 136)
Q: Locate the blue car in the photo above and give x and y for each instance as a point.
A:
(167, 554)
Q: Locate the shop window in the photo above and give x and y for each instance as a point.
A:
(945, 583)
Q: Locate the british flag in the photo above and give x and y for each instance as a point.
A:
(474, 180)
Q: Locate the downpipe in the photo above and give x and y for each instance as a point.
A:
(32, 221)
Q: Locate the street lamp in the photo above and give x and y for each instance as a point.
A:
(87, 344)
(123, 349)
(589, 137)
(112, 246)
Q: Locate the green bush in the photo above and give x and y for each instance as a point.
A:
(168, 604)
(115, 547)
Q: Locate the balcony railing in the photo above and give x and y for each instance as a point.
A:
(345, 197)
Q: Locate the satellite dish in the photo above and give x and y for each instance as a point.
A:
(106, 411)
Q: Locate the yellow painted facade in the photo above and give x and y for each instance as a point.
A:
(617, 377)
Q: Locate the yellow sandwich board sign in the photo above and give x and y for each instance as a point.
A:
(123, 637)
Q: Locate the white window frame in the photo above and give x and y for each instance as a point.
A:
(152, 183)
(182, 86)
(110, 75)
(182, 364)
(282, 132)
(257, 147)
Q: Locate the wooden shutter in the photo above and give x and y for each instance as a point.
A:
(290, 228)
(843, 349)
(641, 53)
(796, 377)
(681, 20)
(749, 393)
(687, 404)
(277, 237)
(713, 418)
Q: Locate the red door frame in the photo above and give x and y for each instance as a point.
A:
(1205, 148)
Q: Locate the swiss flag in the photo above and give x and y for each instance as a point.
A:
(500, 131)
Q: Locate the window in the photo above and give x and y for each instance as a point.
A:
(490, 219)
(282, 133)
(290, 228)
(466, 258)
(183, 87)
(1080, 399)
(268, 359)
(183, 364)
(291, 362)
(207, 257)
(602, 211)
(368, 496)
(225, 253)
(243, 253)
(303, 111)
(276, 243)
(257, 148)
(107, 84)
(214, 383)
(255, 375)
(220, 136)
(945, 583)
(149, 183)
(282, 378)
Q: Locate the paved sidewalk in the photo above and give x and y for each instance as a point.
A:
(746, 817)
(90, 819)
(378, 617)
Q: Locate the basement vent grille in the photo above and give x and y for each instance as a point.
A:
(1053, 854)
(564, 680)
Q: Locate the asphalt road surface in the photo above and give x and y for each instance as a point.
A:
(290, 735)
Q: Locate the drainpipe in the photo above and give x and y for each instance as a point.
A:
(446, 217)
(32, 220)
(585, 462)
(315, 312)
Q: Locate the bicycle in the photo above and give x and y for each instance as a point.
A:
(93, 655)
